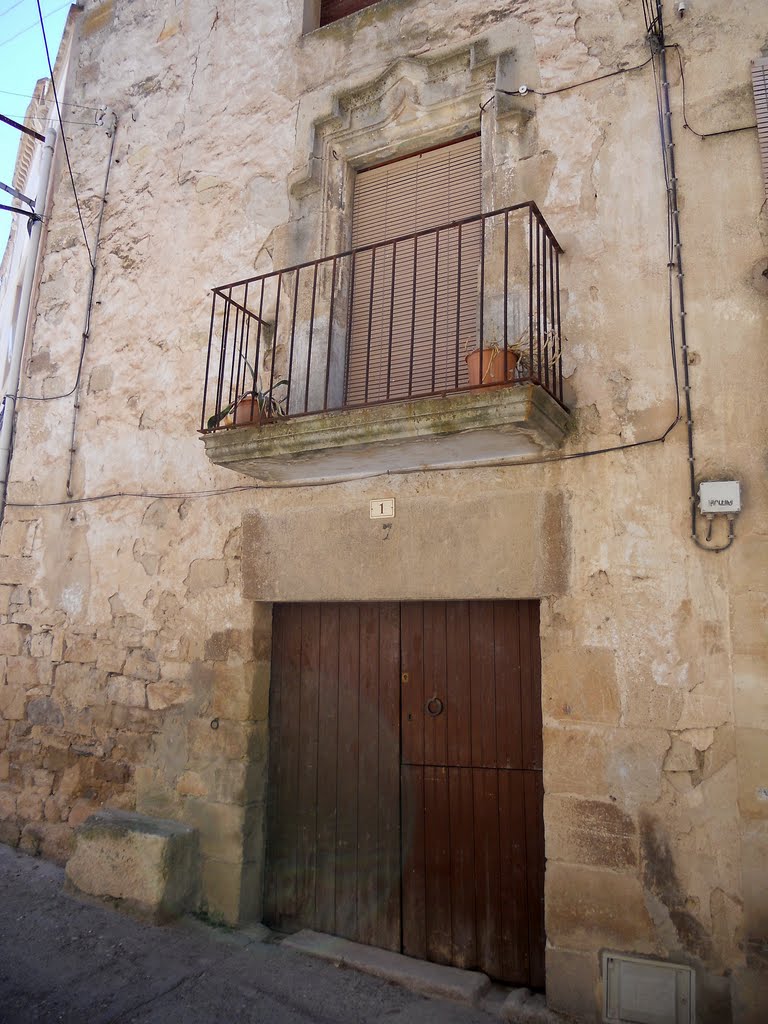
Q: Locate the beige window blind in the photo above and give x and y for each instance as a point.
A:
(760, 86)
(414, 303)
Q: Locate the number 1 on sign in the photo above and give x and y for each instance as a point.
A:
(383, 508)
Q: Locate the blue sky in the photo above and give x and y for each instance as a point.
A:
(22, 62)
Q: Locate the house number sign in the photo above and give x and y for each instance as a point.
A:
(383, 508)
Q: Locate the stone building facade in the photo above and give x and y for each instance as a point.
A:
(138, 572)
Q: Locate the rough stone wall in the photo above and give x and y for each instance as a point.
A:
(125, 634)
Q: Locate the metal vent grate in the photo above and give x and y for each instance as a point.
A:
(647, 991)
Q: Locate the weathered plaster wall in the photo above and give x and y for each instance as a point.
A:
(126, 635)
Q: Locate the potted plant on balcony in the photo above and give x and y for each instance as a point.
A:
(518, 360)
(487, 367)
(255, 406)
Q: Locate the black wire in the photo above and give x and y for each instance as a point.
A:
(135, 494)
(67, 103)
(214, 492)
(578, 85)
(87, 329)
(701, 135)
(51, 120)
(50, 14)
(11, 8)
(63, 136)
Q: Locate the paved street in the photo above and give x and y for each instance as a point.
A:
(62, 960)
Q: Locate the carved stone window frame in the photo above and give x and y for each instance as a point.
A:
(416, 103)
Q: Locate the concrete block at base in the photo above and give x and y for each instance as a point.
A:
(417, 975)
(146, 866)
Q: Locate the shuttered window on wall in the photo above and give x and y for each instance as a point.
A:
(332, 10)
(760, 86)
(414, 305)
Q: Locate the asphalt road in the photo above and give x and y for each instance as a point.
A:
(62, 960)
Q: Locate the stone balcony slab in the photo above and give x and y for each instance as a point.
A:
(489, 425)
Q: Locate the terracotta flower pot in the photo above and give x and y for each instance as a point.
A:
(248, 411)
(492, 371)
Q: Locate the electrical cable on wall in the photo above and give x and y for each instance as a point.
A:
(112, 132)
(526, 90)
(702, 135)
(675, 255)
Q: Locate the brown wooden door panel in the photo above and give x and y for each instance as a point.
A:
(327, 768)
(395, 827)
(481, 659)
(473, 863)
(387, 933)
(414, 865)
(333, 850)
(509, 718)
(482, 685)
(458, 712)
(470, 896)
(412, 690)
(347, 785)
(462, 890)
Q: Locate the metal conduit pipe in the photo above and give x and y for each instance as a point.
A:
(677, 263)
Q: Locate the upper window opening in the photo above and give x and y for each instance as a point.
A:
(333, 10)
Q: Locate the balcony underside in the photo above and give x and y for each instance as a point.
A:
(469, 428)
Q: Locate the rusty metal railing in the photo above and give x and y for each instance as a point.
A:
(473, 303)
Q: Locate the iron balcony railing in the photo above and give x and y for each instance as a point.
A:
(473, 303)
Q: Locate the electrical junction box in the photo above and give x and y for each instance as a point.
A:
(719, 496)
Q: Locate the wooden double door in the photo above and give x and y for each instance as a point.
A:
(405, 799)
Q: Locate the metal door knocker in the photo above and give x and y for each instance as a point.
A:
(435, 706)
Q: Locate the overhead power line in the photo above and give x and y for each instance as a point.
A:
(11, 39)
(11, 8)
(66, 103)
(51, 120)
(63, 136)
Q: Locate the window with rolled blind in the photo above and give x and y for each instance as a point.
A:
(332, 10)
(414, 302)
(760, 87)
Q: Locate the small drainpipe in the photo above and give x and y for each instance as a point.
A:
(20, 326)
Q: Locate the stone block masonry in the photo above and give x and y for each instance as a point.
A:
(145, 866)
(135, 636)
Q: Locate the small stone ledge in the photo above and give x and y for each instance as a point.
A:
(147, 867)
(417, 975)
(469, 428)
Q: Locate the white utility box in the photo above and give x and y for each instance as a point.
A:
(719, 496)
